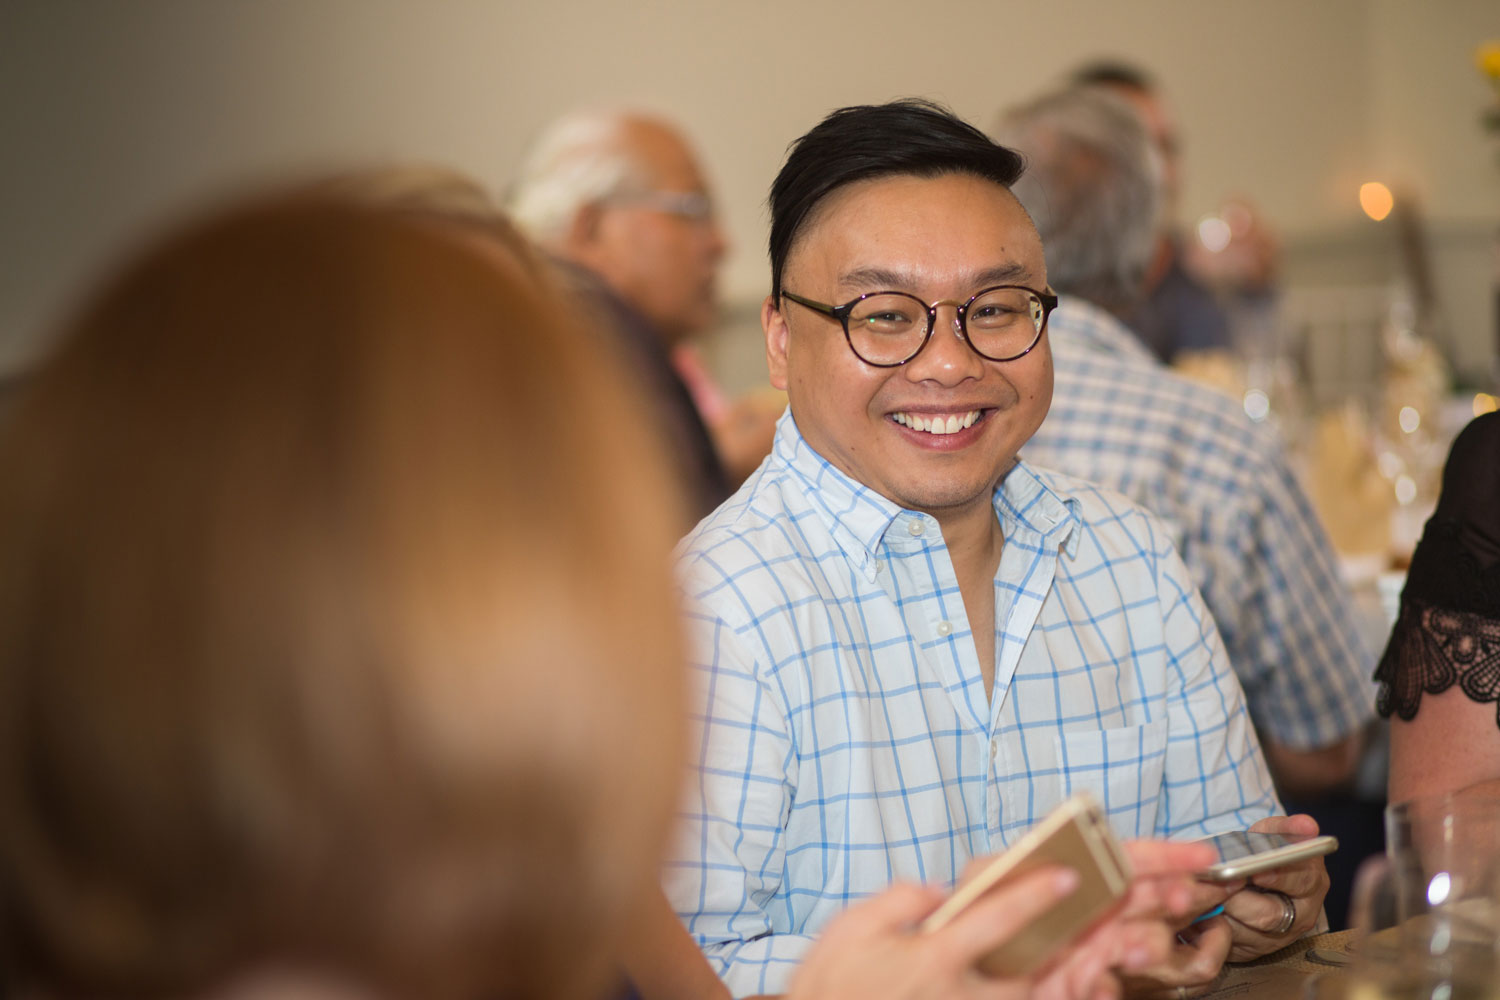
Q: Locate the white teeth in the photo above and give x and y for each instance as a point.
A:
(951, 424)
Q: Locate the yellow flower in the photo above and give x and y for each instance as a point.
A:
(1488, 59)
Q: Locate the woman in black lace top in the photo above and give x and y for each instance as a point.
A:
(1440, 675)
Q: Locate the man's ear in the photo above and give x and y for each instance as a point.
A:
(583, 231)
(773, 322)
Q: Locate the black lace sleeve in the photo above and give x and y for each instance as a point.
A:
(1449, 629)
(1430, 649)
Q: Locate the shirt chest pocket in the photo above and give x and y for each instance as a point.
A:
(1120, 767)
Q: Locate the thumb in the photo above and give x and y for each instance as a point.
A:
(997, 915)
(1168, 857)
(1299, 824)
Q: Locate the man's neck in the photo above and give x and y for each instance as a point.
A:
(970, 532)
(974, 540)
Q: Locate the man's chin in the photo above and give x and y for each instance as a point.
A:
(943, 499)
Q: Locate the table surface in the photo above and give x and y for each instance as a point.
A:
(1288, 974)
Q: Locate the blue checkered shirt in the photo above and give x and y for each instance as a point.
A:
(845, 738)
(1235, 513)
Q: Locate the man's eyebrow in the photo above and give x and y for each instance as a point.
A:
(1002, 275)
(875, 278)
(881, 279)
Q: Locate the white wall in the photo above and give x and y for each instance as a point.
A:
(115, 113)
(1427, 137)
(1429, 97)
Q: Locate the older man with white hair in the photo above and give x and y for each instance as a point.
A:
(622, 194)
(621, 199)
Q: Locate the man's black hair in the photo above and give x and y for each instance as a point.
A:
(1113, 73)
(912, 137)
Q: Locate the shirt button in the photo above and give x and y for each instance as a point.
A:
(944, 628)
(995, 747)
(916, 527)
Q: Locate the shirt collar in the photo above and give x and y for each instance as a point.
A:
(855, 515)
(859, 518)
(1027, 506)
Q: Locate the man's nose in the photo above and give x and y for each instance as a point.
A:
(947, 358)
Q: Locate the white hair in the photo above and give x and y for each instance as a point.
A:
(578, 160)
(1093, 187)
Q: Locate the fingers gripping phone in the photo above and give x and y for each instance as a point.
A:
(1242, 853)
(1074, 835)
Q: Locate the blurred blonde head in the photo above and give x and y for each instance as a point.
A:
(319, 645)
(437, 193)
(420, 186)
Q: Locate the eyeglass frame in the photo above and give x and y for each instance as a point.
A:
(690, 206)
(1047, 298)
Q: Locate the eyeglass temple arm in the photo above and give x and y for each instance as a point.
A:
(810, 304)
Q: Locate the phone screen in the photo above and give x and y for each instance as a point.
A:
(1242, 843)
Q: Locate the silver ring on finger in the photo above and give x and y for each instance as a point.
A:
(1288, 912)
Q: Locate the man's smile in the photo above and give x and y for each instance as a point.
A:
(938, 423)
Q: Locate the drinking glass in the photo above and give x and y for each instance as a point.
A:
(1427, 915)
(1457, 834)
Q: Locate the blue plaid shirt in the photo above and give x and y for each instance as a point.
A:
(1234, 511)
(845, 736)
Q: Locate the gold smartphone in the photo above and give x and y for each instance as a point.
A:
(1074, 835)
(1242, 853)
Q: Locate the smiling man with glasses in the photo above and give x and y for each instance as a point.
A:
(910, 644)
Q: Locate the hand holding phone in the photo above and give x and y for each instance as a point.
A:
(1283, 901)
(870, 953)
(1075, 835)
